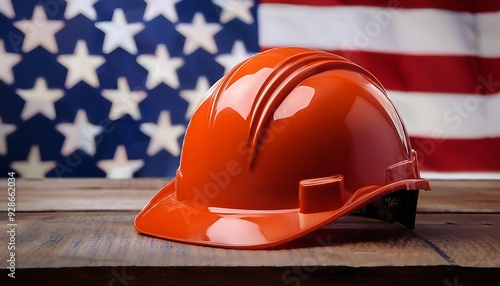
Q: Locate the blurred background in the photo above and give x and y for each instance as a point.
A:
(106, 88)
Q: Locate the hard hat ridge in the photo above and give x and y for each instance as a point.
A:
(286, 76)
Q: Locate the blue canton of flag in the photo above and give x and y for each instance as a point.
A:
(94, 88)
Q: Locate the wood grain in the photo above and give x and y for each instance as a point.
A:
(262, 276)
(90, 184)
(132, 194)
(80, 232)
(102, 239)
(461, 196)
(83, 194)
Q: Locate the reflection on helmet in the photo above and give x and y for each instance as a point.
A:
(285, 143)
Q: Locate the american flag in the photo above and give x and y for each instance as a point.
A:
(94, 88)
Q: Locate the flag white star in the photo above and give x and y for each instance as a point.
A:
(119, 33)
(194, 96)
(5, 129)
(84, 7)
(232, 9)
(7, 61)
(7, 9)
(79, 135)
(163, 135)
(81, 66)
(120, 167)
(124, 101)
(39, 99)
(161, 68)
(39, 31)
(199, 34)
(166, 8)
(238, 54)
(33, 167)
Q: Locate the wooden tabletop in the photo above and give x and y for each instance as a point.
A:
(80, 232)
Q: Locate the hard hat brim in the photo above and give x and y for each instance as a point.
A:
(168, 218)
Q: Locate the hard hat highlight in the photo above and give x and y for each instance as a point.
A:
(288, 141)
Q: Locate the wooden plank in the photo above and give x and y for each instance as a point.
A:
(133, 194)
(65, 184)
(155, 183)
(80, 239)
(459, 201)
(322, 275)
(83, 200)
(83, 194)
(461, 196)
(465, 184)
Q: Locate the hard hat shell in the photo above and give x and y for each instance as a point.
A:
(288, 141)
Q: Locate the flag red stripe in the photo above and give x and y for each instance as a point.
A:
(458, 155)
(447, 74)
(450, 74)
(452, 5)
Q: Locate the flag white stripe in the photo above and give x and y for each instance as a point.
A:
(488, 27)
(451, 116)
(460, 175)
(408, 31)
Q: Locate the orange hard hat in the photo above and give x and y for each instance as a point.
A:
(288, 141)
